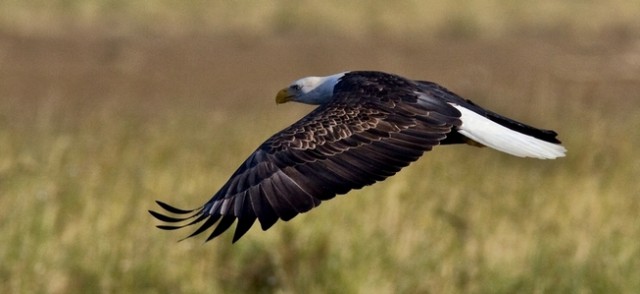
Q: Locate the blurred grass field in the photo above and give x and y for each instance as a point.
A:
(353, 18)
(106, 106)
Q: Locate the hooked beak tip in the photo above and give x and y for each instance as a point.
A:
(283, 96)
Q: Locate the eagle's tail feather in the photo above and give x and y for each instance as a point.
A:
(532, 143)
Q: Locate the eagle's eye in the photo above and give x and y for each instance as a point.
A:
(295, 87)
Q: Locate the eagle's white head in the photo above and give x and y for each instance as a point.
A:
(309, 90)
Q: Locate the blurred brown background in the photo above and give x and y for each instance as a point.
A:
(106, 106)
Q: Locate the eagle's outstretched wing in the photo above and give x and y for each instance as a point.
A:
(374, 126)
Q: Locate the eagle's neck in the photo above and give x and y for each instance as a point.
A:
(320, 89)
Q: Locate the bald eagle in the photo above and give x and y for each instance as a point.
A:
(367, 126)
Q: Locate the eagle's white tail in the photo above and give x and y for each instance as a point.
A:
(491, 134)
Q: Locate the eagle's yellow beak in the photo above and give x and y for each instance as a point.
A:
(283, 96)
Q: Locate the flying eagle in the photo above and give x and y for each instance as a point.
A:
(367, 127)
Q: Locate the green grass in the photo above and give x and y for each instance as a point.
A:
(75, 193)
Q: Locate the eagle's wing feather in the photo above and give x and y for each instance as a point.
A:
(375, 125)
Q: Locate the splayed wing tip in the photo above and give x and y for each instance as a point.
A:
(173, 209)
(165, 218)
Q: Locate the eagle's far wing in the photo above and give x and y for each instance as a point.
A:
(444, 94)
(370, 130)
(487, 128)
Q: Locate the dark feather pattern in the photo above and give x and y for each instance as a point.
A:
(375, 125)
